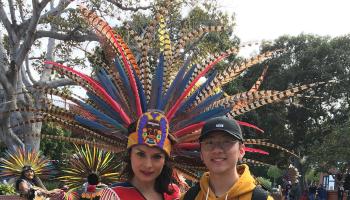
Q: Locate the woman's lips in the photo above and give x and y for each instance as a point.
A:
(217, 160)
(147, 173)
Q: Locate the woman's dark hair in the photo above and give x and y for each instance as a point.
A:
(35, 181)
(162, 182)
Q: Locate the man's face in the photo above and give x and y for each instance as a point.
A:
(220, 152)
(29, 174)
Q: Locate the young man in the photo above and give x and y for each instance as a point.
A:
(221, 145)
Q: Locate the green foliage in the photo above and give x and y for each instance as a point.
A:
(274, 172)
(302, 123)
(50, 185)
(312, 176)
(54, 149)
(266, 183)
(335, 149)
(7, 189)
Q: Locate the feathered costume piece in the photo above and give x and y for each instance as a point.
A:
(292, 174)
(89, 160)
(164, 110)
(13, 163)
(85, 162)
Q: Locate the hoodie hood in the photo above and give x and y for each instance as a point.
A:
(244, 185)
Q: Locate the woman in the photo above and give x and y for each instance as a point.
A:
(29, 185)
(147, 167)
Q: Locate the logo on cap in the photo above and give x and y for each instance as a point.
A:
(219, 125)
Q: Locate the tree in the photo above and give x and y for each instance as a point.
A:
(312, 176)
(334, 152)
(306, 124)
(274, 172)
(26, 25)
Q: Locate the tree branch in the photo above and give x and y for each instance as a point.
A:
(5, 19)
(62, 4)
(20, 8)
(119, 5)
(25, 79)
(59, 83)
(3, 80)
(28, 72)
(30, 36)
(12, 12)
(66, 37)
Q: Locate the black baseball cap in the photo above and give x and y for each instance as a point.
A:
(221, 124)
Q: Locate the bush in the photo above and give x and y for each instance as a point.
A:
(265, 183)
(7, 189)
(50, 185)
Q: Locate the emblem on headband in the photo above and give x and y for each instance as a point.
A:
(153, 130)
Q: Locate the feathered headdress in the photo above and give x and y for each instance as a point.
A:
(16, 161)
(88, 160)
(167, 108)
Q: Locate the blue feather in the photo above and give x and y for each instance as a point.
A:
(207, 102)
(101, 115)
(157, 84)
(105, 107)
(91, 124)
(192, 98)
(141, 92)
(184, 82)
(125, 80)
(106, 82)
(175, 84)
(216, 112)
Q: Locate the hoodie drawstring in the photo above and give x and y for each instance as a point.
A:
(207, 195)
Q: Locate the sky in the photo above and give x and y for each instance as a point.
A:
(269, 19)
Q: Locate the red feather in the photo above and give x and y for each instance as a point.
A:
(254, 150)
(250, 125)
(189, 129)
(96, 86)
(188, 145)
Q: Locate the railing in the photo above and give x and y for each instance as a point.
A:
(11, 197)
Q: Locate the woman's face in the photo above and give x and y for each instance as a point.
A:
(29, 174)
(147, 163)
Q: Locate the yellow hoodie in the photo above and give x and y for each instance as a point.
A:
(241, 190)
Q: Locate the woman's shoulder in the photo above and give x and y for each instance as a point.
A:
(121, 190)
(22, 181)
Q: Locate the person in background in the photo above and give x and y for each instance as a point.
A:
(28, 185)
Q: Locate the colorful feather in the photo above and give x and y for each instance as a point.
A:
(104, 29)
(87, 160)
(157, 85)
(96, 86)
(12, 163)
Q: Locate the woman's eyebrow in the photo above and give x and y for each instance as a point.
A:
(139, 150)
(157, 154)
